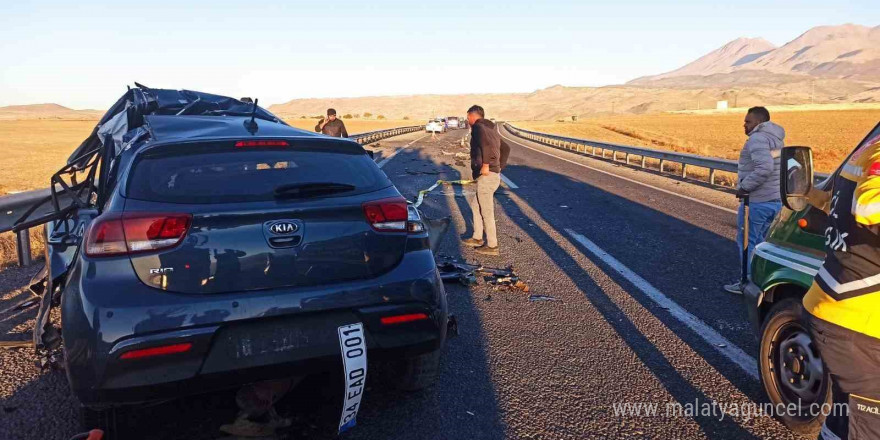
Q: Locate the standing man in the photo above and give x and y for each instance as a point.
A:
(486, 169)
(758, 177)
(843, 304)
(331, 126)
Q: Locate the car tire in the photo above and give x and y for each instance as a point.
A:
(418, 372)
(783, 327)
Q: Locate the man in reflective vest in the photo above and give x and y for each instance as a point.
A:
(843, 305)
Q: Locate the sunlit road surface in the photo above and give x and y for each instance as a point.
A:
(642, 342)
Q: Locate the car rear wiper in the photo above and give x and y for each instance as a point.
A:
(295, 190)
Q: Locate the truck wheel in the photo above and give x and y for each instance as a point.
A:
(791, 370)
(417, 373)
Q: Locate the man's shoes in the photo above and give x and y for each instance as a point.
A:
(735, 288)
(486, 250)
(472, 242)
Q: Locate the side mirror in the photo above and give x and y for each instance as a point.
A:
(796, 176)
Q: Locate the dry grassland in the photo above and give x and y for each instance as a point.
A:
(831, 133)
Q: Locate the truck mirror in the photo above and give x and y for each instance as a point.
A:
(796, 178)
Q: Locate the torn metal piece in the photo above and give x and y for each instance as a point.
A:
(507, 282)
(501, 280)
(468, 279)
(37, 284)
(51, 360)
(26, 304)
(451, 325)
(543, 298)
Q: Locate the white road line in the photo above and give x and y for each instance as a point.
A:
(391, 156)
(702, 202)
(508, 182)
(725, 347)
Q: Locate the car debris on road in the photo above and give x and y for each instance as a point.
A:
(466, 274)
(534, 298)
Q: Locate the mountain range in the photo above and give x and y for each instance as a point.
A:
(847, 51)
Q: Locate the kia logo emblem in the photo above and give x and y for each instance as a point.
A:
(283, 228)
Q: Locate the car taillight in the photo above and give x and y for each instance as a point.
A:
(261, 143)
(387, 215)
(128, 233)
(157, 351)
(400, 319)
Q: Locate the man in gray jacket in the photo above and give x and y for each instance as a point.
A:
(758, 177)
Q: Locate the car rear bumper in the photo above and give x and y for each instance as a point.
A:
(234, 339)
(235, 354)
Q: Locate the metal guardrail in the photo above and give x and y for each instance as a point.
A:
(373, 136)
(598, 148)
(13, 206)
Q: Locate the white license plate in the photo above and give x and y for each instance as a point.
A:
(354, 361)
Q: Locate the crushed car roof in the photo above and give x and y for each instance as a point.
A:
(125, 121)
(165, 128)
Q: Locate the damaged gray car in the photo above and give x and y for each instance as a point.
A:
(196, 242)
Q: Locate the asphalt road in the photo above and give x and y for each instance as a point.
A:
(636, 264)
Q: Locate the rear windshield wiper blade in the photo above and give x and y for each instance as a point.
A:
(294, 190)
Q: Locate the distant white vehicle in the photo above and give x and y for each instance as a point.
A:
(452, 122)
(435, 126)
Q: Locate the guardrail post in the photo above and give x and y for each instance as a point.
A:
(661, 165)
(626, 158)
(643, 161)
(23, 247)
(711, 176)
(594, 150)
(684, 171)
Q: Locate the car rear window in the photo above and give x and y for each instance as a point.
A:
(246, 175)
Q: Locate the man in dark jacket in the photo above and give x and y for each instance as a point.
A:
(486, 169)
(331, 126)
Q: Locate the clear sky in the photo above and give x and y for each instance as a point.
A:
(82, 53)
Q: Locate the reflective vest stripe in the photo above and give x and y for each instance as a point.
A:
(841, 288)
